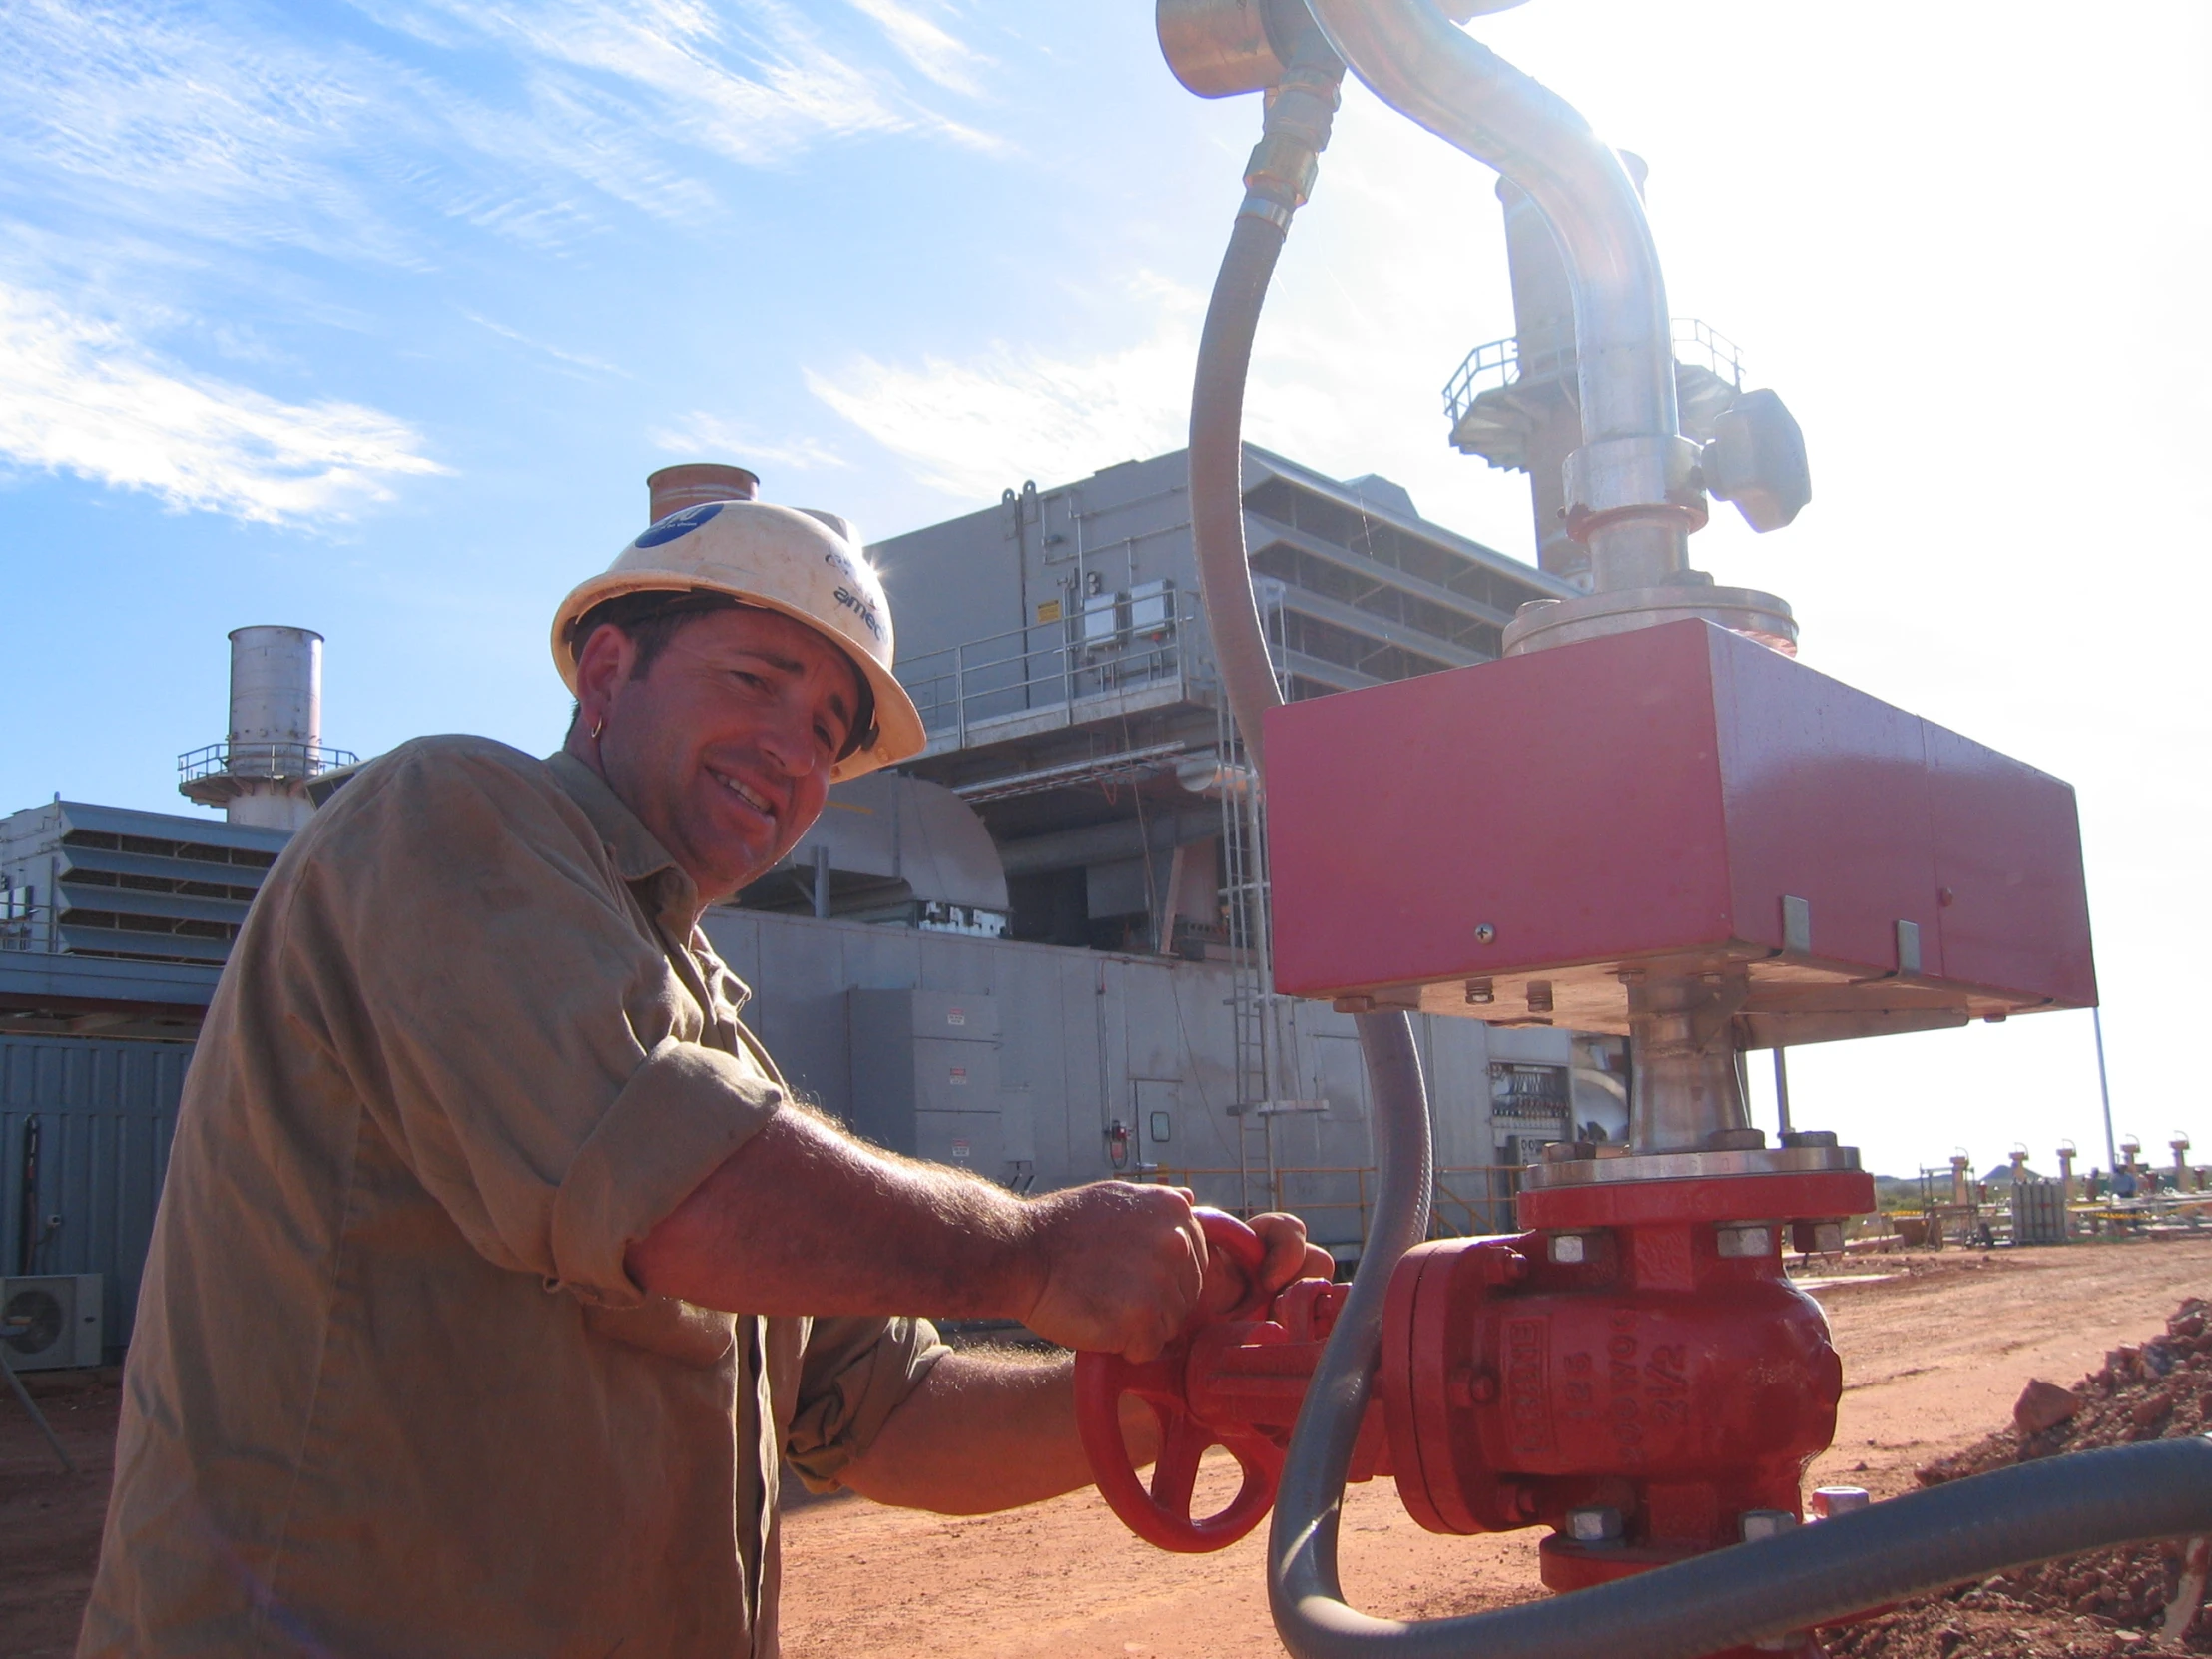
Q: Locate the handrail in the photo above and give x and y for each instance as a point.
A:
(262, 760)
(1502, 360)
(22, 929)
(1494, 1208)
(1004, 674)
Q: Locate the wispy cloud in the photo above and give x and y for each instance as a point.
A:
(183, 122)
(968, 426)
(79, 395)
(572, 359)
(709, 435)
(756, 83)
(950, 62)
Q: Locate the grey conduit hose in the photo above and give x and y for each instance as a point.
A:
(1819, 1573)
(1810, 1575)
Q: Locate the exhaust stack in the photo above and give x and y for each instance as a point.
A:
(259, 774)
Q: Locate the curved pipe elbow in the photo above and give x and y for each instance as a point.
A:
(1414, 60)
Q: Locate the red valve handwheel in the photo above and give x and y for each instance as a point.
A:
(1162, 1515)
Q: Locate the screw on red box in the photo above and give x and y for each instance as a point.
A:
(1678, 791)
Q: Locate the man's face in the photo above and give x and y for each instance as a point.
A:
(724, 747)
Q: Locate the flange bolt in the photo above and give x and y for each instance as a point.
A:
(1766, 1523)
(1594, 1526)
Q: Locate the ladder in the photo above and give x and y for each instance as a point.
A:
(1257, 1013)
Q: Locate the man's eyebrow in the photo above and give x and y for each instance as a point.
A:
(785, 665)
(839, 704)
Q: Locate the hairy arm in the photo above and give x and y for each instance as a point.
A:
(987, 1432)
(802, 1219)
(993, 1431)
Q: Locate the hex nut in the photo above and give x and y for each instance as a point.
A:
(1838, 1500)
(1569, 1249)
(1594, 1526)
(1766, 1523)
(1744, 1240)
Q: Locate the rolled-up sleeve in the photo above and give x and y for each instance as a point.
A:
(460, 941)
(855, 1373)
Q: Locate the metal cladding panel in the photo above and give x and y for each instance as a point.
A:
(956, 1016)
(106, 1113)
(955, 1076)
(1826, 800)
(971, 1141)
(881, 1105)
(2009, 853)
(1569, 800)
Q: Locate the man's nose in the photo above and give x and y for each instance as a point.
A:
(787, 740)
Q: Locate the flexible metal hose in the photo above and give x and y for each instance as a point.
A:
(1216, 474)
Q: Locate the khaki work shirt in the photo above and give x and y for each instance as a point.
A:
(391, 1390)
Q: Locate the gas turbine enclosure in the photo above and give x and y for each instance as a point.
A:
(1504, 840)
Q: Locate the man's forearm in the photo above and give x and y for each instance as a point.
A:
(803, 1220)
(984, 1432)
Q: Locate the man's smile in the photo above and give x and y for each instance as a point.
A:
(751, 797)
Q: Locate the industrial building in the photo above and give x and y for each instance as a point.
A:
(1039, 950)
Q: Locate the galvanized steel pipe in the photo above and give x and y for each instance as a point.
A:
(1629, 491)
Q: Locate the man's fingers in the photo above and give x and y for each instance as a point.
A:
(1288, 1255)
(1195, 1275)
(1318, 1264)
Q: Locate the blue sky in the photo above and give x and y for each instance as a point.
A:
(371, 317)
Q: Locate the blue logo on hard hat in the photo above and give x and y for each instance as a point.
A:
(679, 525)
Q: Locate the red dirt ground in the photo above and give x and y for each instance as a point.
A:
(1932, 1360)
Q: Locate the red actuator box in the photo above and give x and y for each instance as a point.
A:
(1506, 840)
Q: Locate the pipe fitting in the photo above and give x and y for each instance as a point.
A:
(1649, 476)
(1282, 169)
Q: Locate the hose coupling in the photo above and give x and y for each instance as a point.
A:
(1300, 113)
(1282, 169)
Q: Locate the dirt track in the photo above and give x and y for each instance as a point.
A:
(1932, 1361)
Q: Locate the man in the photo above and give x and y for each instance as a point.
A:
(497, 1270)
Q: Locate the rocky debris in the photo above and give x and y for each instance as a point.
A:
(2043, 1406)
(2084, 1606)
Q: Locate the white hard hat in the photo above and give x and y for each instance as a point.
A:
(781, 559)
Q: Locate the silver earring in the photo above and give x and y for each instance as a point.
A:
(597, 725)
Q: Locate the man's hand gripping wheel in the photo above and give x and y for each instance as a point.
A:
(1161, 1515)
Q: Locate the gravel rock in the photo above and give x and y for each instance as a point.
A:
(2043, 1406)
(2084, 1606)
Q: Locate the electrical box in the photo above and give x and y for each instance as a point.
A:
(1098, 624)
(1507, 840)
(1152, 612)
(52, 1321)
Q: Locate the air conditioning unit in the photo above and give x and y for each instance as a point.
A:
(50, 1321)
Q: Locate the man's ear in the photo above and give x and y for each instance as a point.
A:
(601, 667)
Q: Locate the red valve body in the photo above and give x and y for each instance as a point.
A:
(1656, 1375)
(1659, 1366)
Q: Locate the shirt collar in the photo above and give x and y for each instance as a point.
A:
(637, 854)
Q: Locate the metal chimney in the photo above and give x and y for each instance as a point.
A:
(674, 488)
(259, 774)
